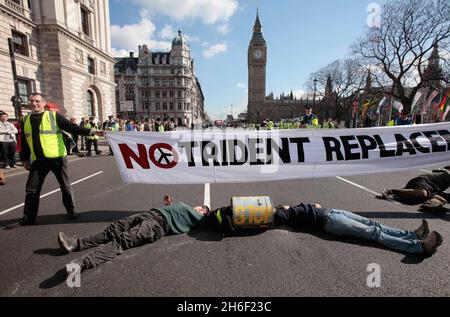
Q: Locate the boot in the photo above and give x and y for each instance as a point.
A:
(431, 243)
(67, 244)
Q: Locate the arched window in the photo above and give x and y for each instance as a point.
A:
(90, 103)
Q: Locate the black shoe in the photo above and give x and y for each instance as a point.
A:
(26, 222)
(71, 214)
(67, 244)
(88, 154)
(98, 153)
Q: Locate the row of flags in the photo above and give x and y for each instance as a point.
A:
(438, 109)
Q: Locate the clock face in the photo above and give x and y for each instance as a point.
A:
(257, 54)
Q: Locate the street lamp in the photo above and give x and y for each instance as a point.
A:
(314, 98)
(148, 91)
(16, 100)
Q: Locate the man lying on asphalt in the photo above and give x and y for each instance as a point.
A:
(427, 189)
(134, 231)
(345, 224)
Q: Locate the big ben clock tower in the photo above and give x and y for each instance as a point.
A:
(257, 61)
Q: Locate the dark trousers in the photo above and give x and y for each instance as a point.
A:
(121, 235)
(38, 172)
(89, 146)
(8, 153)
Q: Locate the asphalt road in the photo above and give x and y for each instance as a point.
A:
(278, 262)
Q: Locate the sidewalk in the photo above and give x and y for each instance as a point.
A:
(102, 146)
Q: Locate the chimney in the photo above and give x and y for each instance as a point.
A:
(131, 54)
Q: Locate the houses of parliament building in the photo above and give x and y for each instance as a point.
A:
(261, 106)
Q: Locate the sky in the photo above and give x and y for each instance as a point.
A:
(302, 37)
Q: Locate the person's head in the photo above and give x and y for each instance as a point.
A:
(3, 117)
(73, 120)
(403, 114)
(37, 102)
(308, 109)
(203, 210)
(447, 167)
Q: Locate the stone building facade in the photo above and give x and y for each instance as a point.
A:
(62, 49)
(261, 106)
(160, 85)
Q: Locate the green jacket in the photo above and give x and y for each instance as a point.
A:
(181, 217)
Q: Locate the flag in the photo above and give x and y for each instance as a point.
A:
(444, 103)
(396, 107)
(414, 107)
(430, 99)
(382, 104)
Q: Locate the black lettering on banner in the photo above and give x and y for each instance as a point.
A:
(223, 149)
(189, 147)
(383, 152)
(283, 152)
(206, 145)
(332, 145)
(348, 147)
(254, 151)
(366, 147)
(434, 137)
(232, 145)
(403, 145)
(416, 143)
(446, 135)
(300, 147)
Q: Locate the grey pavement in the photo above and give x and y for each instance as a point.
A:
(279, 262)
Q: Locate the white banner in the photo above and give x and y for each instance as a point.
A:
(198, 157)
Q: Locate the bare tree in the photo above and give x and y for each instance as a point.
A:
(344, 77)
(399, 49)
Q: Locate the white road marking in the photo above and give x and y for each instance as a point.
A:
(50, 193)
(365, 189)
(207, 199)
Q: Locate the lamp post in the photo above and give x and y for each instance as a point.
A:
(15, 99)
(314, 97)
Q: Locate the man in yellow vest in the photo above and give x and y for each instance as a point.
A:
(42, 141)
(309, 119)
(92, 139)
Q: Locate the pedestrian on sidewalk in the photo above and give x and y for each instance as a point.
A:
(7, 142)
(42, 141)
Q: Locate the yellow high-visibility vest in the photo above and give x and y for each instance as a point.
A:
(50, 136)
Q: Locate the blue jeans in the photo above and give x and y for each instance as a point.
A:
(344, 223)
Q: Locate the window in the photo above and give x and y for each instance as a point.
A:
(164, 105)
(171, 106)
(179, 94)
(90, 104)
(180, 106)
(20, 43)
(164, 94)
(91, 65)
(158, 106)
(24, 89)
(85, 21)
(157, 94)
(172, 94)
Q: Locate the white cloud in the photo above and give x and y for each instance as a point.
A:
(208, 11)
(214, 50)
(223, 29)
(129, 37)
(167, 32)
(300, 93)
(241, 85)
(205, 44)
(120, 52)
